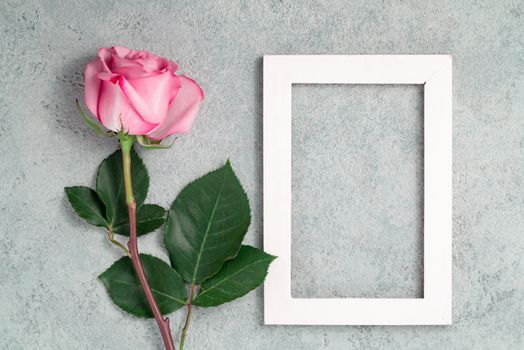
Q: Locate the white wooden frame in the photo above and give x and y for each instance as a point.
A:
(434, 72)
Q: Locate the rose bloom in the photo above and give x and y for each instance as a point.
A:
(140, 93)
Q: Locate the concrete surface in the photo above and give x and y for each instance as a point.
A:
(358, 152)
(362, 240)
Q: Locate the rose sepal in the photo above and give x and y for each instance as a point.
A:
(147, 143)
(94, 126)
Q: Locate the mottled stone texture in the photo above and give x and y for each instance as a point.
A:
(368, 235)
(357, 191)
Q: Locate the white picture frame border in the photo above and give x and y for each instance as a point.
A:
(435, 73)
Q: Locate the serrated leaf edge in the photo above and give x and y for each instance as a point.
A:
(266, 257)
(166, 226)
(69, 195)
(128, 310)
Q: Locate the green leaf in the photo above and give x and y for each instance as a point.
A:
(110, 185)
(206, 224)
(87, 205)
(149, 217)
(125, 290)
(236, 278)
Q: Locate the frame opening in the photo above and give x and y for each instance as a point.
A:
(357, 191)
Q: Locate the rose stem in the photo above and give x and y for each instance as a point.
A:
(188, 316)
(126, 143)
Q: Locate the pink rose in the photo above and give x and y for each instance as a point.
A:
(140, 93)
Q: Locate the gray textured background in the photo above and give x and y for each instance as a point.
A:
(357, 186)
(369, 238)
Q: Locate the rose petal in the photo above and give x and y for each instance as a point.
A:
(131, 69)
(182, 112)
(120, 62)
(134, 125)
(172, 66)
(151, 96)
(154, 62)
(108, 77)
(135, 99)
(120, 51)
(92, 85)
(114, 110)
(105, 56)
(137, 54)
(134, 73)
